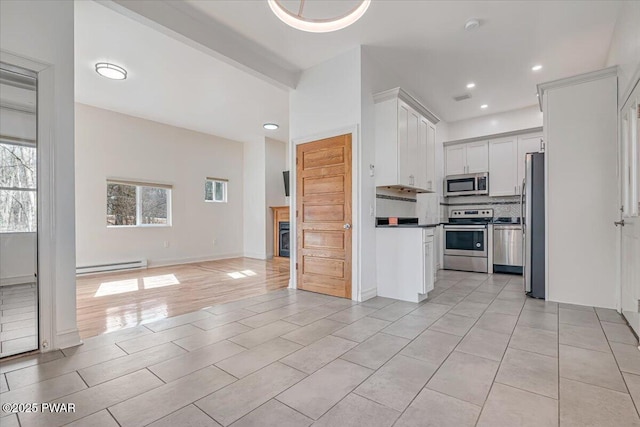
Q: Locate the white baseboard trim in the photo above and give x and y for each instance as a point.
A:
(368, 294)
(66, 339)
(255, 255)
(189, 260)
(17, 280)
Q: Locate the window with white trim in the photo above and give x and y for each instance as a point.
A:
(131, 204)
(215, 190)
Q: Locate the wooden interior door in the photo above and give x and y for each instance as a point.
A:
(323, 209)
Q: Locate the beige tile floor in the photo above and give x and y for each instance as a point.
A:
(477, 353)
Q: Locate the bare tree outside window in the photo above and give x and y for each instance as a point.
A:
(121, 204)
(18, 185)
(137, 205)
(153, 203)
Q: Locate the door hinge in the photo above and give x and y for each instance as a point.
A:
(296, 212)
(296, 265)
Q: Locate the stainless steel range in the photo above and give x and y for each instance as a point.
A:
(466, 240)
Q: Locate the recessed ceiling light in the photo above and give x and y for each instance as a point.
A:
(111, 71)
(536, 67)
(270, 126)
(483, 106)
(296, 20)
(471, 24)
(471, 85)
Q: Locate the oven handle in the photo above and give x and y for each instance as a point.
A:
(465, 228)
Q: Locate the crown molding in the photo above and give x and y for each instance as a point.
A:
(574, 80)
(409, 99)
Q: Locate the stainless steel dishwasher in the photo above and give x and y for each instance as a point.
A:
(507, 248)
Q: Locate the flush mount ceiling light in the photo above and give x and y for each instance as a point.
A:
(536, 68)
(471, 85)
(111, 71)
(483, 106)
(471, 24)
(317, 25)
(270, 126)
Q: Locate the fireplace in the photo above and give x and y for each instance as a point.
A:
(283, 234)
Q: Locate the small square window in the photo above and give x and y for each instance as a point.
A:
(215, 190)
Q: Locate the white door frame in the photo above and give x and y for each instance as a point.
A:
(46, 234)
(630, 214)
(356, 286)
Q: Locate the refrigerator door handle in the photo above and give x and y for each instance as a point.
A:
(524, 183)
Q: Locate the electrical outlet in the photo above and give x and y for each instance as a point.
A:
(371, 210)
(214, 242)
(166, 244)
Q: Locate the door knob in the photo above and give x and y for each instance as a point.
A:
(347, 226)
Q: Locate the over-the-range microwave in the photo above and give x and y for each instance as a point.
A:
(466, 185)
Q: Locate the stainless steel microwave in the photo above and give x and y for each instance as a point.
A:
(466, 185)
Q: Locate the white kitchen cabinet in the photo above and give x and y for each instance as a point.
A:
(477, 157)
(507, 162)
(467, 158)
(405, 265)
(455, 160)
(405, 142)
(428, 254)
(503, 169)
(529, 143)
(426, 177)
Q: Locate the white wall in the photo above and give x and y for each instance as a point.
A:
(114, 145)
(625, 46)
(581, 163)
(523, 118)
(275, 162)
(255, 245)
(43, 32)
(327, 97)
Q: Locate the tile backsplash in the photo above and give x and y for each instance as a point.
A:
(502, 206)
(395, 203)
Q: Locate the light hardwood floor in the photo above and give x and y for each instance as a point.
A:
(109, 302)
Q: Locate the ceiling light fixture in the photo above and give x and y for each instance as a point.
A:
(270, 126)
(471, 24)
(471, 85)
(483, 106)
(536, 68)
(298, 21)
(111, 71)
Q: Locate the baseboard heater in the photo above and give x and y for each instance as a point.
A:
(98, 268)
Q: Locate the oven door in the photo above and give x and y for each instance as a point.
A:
(469, 240)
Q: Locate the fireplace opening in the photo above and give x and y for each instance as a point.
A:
(283, 247)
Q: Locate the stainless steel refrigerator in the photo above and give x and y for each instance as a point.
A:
(533, 225)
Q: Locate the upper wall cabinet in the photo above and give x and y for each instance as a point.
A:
(507, 162)
(503, 169)
(472, 157)
(405, 142)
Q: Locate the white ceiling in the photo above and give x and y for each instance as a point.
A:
(426, 45)
(171, 82)
(223, 67)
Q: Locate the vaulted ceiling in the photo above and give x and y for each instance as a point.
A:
(225, 67)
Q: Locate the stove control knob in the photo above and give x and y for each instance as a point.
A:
(478, 245)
